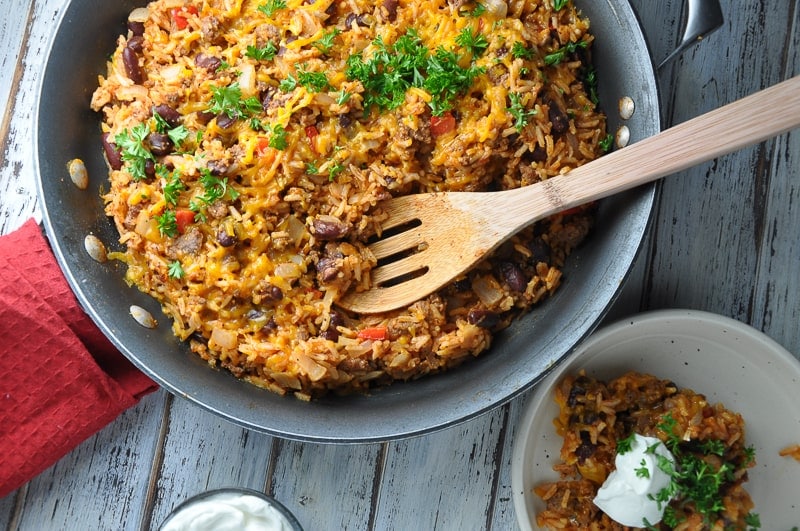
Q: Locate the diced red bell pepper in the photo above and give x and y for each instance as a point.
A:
(179, 15)
(311, 134)
(442, 124)
(183, 218)
(374, 333)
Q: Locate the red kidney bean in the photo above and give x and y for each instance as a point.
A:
(131, 61)
(326, 230)
(209, 62)
(391, 9)
(483, 318)
(136, 28)
(136, 43)
(170, 115)
(160, 144)
(113, 155)
(513, 276)
(204, 117)
(224, 121)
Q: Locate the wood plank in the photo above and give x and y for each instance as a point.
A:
(444, 480)
(326, 486)
(17, 180)
(202, 451)
(776, 308)
(705, 238)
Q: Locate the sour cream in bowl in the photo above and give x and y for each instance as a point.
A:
(234, 509)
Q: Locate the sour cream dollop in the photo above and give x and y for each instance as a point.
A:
(626, 495)
(227, 511)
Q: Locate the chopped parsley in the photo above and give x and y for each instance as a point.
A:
(277, 137)
(167, 224)
(271, 6)
(643, 471)
(133, 152)
(229, 100)
(475, 43)
(559, 4)
(173, 185)
(175, 269)
(325, 43)
(477, 11)
(559, 55)
(335, 169)
(446, 79)
(313, 81)
(394, 68)
(519, 112)
(624, 445)
(607, 143)
(265, 53)
(343, 97)
(213, 188)
(519, 51)
(694, 479)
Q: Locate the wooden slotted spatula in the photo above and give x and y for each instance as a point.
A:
(451, 231)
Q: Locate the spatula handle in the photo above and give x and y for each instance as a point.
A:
(747, 121)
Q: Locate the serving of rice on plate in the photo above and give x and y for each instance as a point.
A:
(250, 144)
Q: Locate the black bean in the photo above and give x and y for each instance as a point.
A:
(327, 269)
(327, 230)
(136, 28)
(558, 118)
(170, 115)
(269, 291)
(540, 251)
(483, 318)
(226, 239)
(513, 276)
(113, 155)
(539, 154)
(360, 20)
(136, 43)
(160, 144)
(330, 334)
(209, 62)
(345, 120)
(131, 61)
(224, 121)
(336, 319)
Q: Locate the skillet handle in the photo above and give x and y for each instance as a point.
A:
(701, 18)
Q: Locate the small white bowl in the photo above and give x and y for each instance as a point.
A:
(724, 359)
(277, 512)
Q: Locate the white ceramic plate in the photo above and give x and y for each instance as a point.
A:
(724, 359)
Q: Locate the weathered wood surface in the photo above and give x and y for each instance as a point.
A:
(724, 239)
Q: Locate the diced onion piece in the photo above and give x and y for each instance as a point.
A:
(496, 8)
(488, 290)
(140, 14)
(224, 338)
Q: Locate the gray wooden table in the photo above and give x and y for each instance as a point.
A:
(726, 239)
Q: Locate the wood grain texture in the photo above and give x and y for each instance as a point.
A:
(723, 239)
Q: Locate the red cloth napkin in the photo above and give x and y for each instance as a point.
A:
(61, 380)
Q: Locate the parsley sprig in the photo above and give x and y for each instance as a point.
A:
(559, 55)
(134, 154)
(271, 6)
(518, 111)
(265, 53)
(229, 100)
